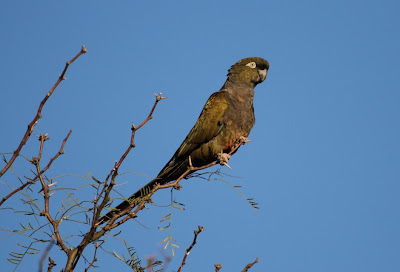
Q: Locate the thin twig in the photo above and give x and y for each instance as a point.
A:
(51, 265)
(114, 172)
(38, 115)
(196, 232)
(32, 181)
(247, 267)
(46, 193)
(175, 184)
(75, 254)
(96, 247)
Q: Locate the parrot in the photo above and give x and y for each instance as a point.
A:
(226, 118)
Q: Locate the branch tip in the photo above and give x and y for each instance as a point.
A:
(83, 49)
(159, 97)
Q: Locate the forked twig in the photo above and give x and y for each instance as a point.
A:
(102, 198)
(175, 184)
(32, 181)
(38, 115)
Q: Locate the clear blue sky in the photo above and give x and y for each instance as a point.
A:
(324, 163)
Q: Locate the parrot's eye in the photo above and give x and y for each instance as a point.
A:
(251, 64)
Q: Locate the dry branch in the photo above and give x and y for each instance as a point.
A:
(175, 184)
(32, 181)
(247, 267)
(93, 235)
(196, 232)
(38, 115)
(46, 192)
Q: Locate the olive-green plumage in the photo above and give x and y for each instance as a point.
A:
(227, 116)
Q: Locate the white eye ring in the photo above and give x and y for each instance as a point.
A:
(251, 64)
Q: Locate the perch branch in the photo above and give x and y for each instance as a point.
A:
(175, 184)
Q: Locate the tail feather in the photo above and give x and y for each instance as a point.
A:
(125, 204)
(167, 174)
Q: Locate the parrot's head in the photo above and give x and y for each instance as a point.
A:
(249, 71)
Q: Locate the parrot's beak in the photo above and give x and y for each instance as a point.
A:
(262, 74)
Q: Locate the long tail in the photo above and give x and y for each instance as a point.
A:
(166, 175)
(145, 190)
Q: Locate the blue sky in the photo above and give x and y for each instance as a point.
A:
(324, 161)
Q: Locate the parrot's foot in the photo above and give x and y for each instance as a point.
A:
(223, 159)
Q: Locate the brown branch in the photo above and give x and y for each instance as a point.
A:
(93, 235)
(96, 247)
(46, 193)
(114, 172)
(175, 184)
(32, 181)
(196, 232)
(38, 115)
(159, 97)
(247, 267)
(51, 265)
(75, 254)
(217, 267)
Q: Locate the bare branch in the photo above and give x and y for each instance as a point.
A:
(91, 236)
(196, 232)
(51, 265)
(32, 181)
(96, 247)
(247, 267)
(46, 193)
(114, 172)
(175, 184)
(38, 115)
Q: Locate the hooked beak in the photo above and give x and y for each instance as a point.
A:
(262, 74)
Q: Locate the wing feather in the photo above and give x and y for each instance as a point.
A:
(208, 125)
